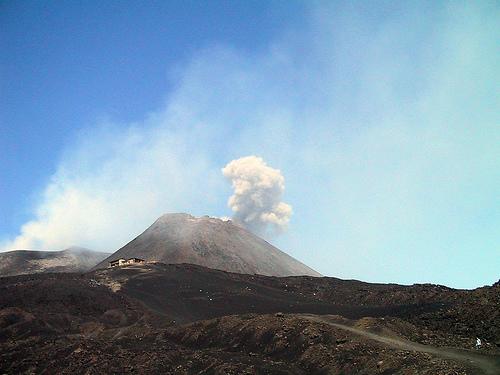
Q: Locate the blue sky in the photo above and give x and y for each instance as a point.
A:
(381, 116)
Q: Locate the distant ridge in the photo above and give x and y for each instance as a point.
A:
(209, 242)
(73, 259)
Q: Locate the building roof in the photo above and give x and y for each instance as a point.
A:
(117, 260)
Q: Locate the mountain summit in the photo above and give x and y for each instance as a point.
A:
(73, 259)
(209, 242)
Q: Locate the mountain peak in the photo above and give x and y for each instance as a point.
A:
(72, 259)
(77, 250)
(169, 217)
(210, 242)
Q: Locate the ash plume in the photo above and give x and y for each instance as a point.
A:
(256, 201)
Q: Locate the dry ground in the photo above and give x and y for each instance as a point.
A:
(185, 319)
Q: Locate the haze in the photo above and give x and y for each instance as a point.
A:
(382, 119)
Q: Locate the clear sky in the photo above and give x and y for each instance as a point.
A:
(383, 118)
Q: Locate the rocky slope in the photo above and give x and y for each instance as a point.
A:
(209, 242)
(73, 259)
(187, 319)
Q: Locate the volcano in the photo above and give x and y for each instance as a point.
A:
(73, 259)
(209, 242)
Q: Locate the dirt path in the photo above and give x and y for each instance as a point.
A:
(488, 364)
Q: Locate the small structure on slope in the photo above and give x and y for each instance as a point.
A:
(125, 262)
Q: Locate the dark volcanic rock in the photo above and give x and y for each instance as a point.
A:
(73, 259)
(132, 320)
(209, 242)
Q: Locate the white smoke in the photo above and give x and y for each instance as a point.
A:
(258, 190)
(370, 113)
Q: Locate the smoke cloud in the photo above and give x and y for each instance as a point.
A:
(258, 190)
(390, 120)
